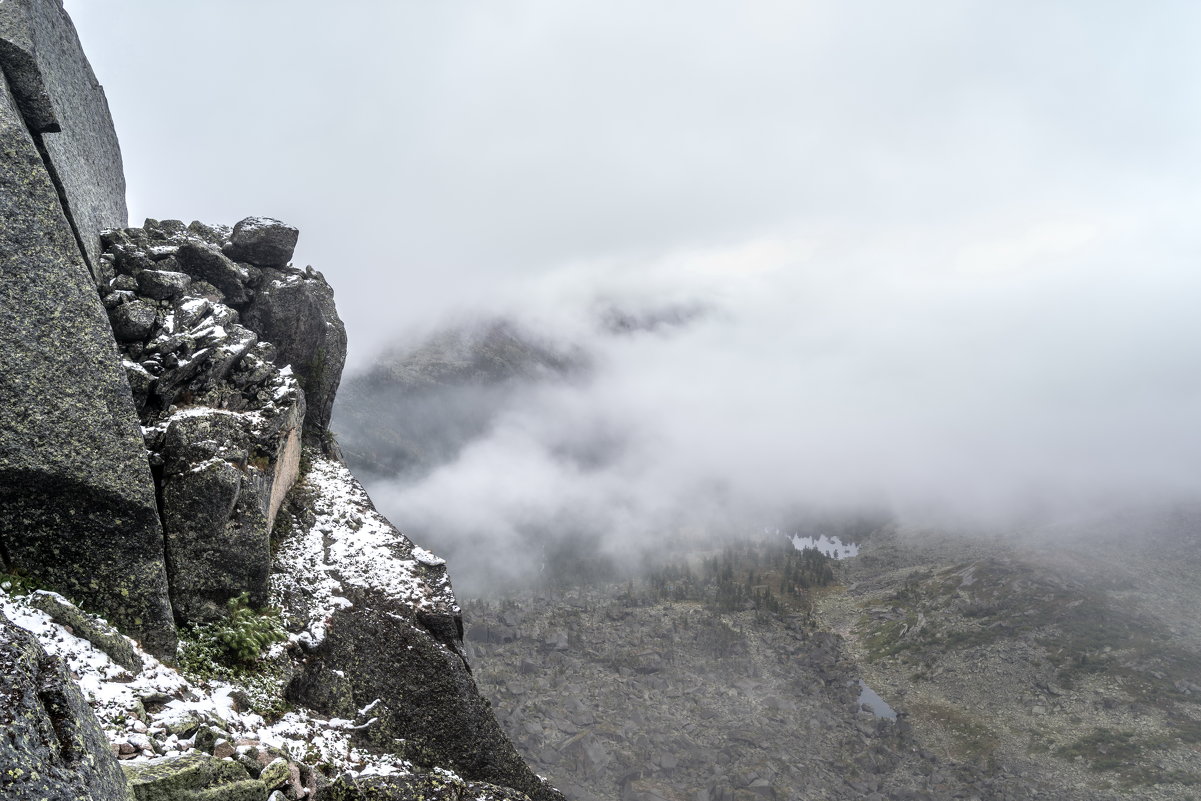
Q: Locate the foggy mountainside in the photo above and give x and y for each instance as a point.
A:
(414, 411)
(738, 400)
(1065, 671)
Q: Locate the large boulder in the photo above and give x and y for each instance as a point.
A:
(263, 241)
(296, 312)
(193, 777)
(64, 106)
(77, 504)
(52, 746)
(207, 262)
(218, 541)
(427, 697)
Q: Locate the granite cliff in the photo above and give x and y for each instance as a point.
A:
(196, 589)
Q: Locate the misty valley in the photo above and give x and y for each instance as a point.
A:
(836, 655)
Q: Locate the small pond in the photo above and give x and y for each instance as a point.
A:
(872, 700)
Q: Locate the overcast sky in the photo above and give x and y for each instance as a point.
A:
(435, 153)
(955, 227)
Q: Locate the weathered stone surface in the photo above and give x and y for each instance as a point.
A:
(262, 241)
(296, 312)
(77, 506)
(193, 777)
(162, 284)
(217, 539)
(133, 321)
(207, 262)
(81, 624)
(275, 773)
(427, 697)
(222, 421)
(482, 791)
(52, 745)
(65, 107)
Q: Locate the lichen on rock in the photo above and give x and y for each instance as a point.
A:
(52, 746)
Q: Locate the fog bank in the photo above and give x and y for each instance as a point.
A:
(990, 383)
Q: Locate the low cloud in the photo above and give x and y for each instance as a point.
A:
(984, 383)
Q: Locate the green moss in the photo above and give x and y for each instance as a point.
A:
(18, 582)
(233, 651)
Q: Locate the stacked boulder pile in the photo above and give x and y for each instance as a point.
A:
(222, 412)
(229, 405)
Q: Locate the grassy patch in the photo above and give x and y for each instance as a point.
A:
(974, 605)
(973, 740)
(1122, 752)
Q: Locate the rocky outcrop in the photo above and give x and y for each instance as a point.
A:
(381, 631)
(222, 422)
(428, 697)
(296, 311)
(153, 431)
(102, 636)
(77, 505)
(194, 777)
(52, 747)
(441, 786)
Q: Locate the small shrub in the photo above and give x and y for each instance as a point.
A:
(248, 634)
(236, 642)
(17, 582)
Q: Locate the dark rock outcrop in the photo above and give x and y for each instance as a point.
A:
(428, 697)
(52, 746)
(77, 505)
(386, 636)
(295, 310)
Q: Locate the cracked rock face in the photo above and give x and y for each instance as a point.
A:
(296, 311)
(64, 105)
(77, 505)
(53, 747)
